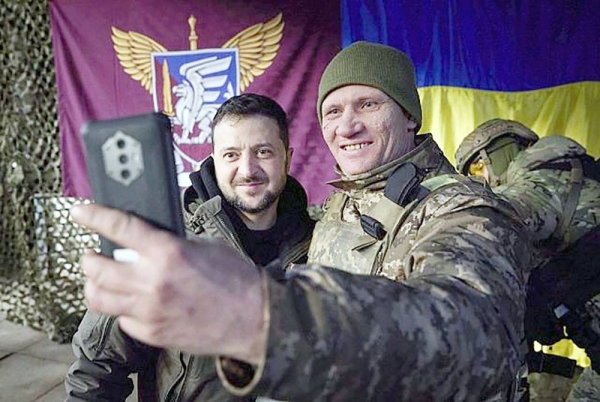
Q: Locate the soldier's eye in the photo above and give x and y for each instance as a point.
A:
(332, 112)
(368, 104)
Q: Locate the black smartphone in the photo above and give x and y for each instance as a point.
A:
(131, 167)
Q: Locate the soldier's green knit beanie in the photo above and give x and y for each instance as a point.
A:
(379, 66)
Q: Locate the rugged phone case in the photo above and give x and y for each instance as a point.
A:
(131, 167)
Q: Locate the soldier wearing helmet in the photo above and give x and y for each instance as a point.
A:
(489, 149)
(554, 186)
(552, 182)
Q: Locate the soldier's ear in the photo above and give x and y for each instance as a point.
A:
(288, 161)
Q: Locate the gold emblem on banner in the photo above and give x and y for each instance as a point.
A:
(257, 46)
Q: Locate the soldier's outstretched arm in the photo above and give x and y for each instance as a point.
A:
(453, 331)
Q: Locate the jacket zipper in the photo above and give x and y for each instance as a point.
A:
(185, 377)
(182, 376)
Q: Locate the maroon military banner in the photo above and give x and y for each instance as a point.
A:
(184, 58)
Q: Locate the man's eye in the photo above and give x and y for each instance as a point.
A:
(264, 152)
(332, 112)
(369, 104)
(229, 156)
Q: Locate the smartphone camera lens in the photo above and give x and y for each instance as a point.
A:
(121, 144)
(125, 174)
(123, 159)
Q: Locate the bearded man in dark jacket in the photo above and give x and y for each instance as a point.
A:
(241, 194)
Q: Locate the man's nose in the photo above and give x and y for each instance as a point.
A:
(247, 166)
(349, 124)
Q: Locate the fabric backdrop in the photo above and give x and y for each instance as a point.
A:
(104, 69)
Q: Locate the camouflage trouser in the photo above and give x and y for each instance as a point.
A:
(587, 389)
(544, 387)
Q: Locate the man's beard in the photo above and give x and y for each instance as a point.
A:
(268, 199)
(238, 203)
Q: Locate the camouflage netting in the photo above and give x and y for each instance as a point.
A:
(40, 283)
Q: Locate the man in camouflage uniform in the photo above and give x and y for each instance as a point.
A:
(427, 298)
(553, 184)
(242, 194)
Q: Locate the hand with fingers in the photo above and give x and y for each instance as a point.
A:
(198, 297)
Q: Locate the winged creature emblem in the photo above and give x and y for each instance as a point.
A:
(257, 48)
(197, 91)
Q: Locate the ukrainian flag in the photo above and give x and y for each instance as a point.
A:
(537, 62)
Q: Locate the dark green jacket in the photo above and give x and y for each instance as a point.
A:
(106, 356)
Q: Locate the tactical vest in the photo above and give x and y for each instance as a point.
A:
(362, 247)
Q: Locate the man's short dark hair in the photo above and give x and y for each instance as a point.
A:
(248, 104)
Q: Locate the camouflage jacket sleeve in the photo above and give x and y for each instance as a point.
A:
(452, 331)
(105, 357)
(538, 196)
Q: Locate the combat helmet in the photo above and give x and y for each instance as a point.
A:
(489, 138)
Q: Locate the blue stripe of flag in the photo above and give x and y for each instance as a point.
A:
(492, 45)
